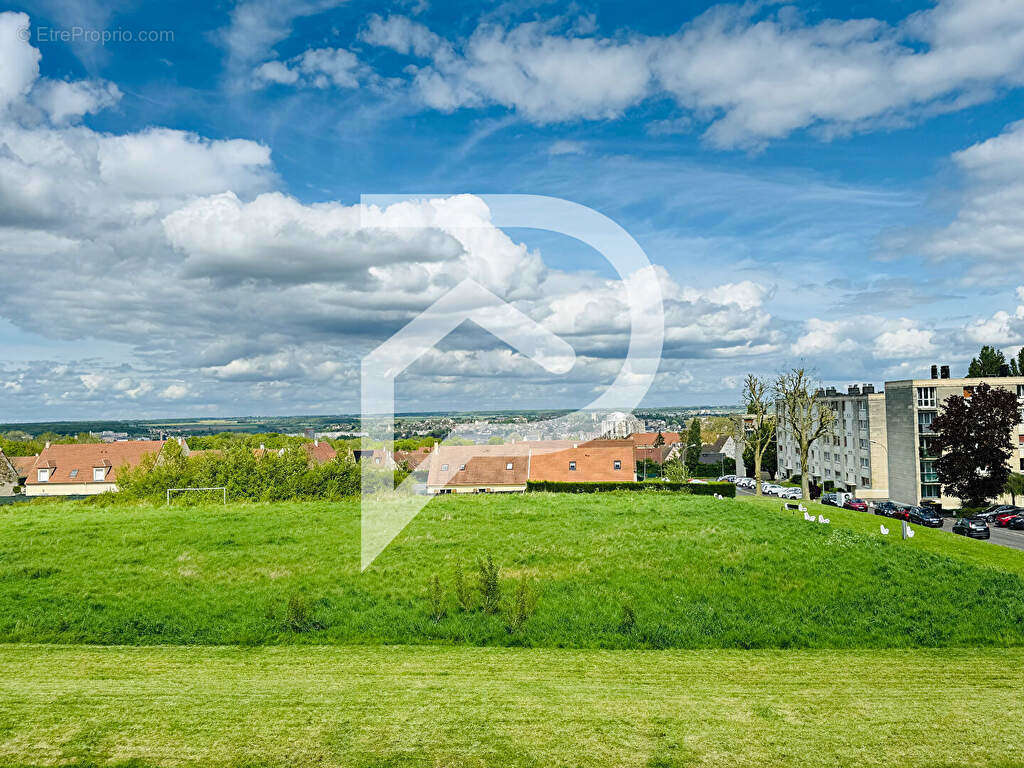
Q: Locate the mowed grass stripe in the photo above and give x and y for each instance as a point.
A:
(342, 706)
(693, 572)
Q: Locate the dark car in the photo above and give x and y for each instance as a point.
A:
(831, 499)
(974, 527)
(996, 509)
(885, 508)
(1017, 523)
(858, 504)
(924, 516)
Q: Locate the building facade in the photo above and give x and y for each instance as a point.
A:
(911, 406)
(854, 458)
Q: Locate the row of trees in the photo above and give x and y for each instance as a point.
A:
(991, 362)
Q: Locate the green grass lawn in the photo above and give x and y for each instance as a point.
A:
(621, 570)
(424, 706)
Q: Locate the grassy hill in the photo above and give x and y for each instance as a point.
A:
(604, 571)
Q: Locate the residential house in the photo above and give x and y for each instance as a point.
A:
(377, 456)
(84, 468)
(319, 451)
(586, 464)
(489, 474)
(413, 459)
(447, 461)
(673, 443)
(9, 476)
(717, 452)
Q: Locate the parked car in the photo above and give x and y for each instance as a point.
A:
(791, 493)
(727, 479)
(996, 509)
(1003, 518)
(1017, 523)
(924, 516)
(890, 509)
(857, 504)
(974, 527)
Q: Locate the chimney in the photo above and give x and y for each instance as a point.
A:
(853, 389)
(868, 389)
(47, 446)
(945, 372)
(263, 447)
(316, 443)
(935, 371)
(1004, 370)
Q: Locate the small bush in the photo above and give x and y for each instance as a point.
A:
(437, 606)
(297, 614)
(463, 595)
(490, 586)
(524, 602)
(628, 623)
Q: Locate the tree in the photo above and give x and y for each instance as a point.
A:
(675, 471)
(770, 460)
(801, 412)
(757, 399)
(989, 362)
(659, 440)
(1014, 486)
(1017, 363)
(973, 440)
(693, 445)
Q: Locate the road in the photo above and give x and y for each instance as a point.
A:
(1001, 536)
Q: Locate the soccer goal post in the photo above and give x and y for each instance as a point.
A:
(221, 488)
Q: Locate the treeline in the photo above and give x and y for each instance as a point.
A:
(23, 444)
(247, 477)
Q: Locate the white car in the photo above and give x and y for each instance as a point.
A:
(791, 493)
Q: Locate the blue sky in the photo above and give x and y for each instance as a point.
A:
(834, 185)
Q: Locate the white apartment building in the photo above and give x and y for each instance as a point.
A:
(854, 457)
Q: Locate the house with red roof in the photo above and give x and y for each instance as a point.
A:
(84, 468)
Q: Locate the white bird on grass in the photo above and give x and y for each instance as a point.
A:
(823, 519)
(808, 518)
(885, 531)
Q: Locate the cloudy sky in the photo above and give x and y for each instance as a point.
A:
(838, 185)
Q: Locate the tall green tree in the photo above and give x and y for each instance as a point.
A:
(989, 362)
(1017, 363)
(1014, 486)
(693, 445)
(974, 443)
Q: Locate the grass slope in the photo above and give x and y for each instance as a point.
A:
(695, 573)
(329, 706)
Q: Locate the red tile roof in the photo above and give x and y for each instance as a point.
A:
(646, 439)
(22, 464)
(592, 464)
(74, 462)
(492, 470)
(319, 451)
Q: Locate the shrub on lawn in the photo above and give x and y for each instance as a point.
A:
(490, 586)
(523, 604)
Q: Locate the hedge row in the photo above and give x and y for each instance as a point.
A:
(695, 489)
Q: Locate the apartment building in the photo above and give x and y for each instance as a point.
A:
(854, 457)
(911, 406)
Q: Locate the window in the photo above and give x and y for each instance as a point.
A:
(924, 421)
(863, 444)
(572, 466)
(1021, 463)
(74, 473)
(926, 397)
(461, 467)
(928, 473)
(98, 473)
(927, 449)
(617, 464)
(828, 456)
(43, 475)
(930, 491)
(862, 424)
(509, 465)
(865, 463)
(865, 482)
(444, 467)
